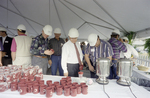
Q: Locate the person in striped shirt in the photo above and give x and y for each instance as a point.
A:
(97, 48)
(118, 46)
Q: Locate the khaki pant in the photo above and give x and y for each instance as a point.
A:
(24, 61)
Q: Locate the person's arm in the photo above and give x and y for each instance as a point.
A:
(64, 59)
(122, 47)
(1, 58)
(13, 56)
(13, 49)
(91, 68)
(134, 52)
(1, 49)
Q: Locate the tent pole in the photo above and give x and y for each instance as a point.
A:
(49, 11)
(92, 15)
(23, 17)
(109, 15)
(143, 30)
(81, 25)
(59, 18)
(101, 26)
(82, 19)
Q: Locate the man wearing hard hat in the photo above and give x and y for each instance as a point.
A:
(40, 50)
(56, 44)
(118, 46)
(96, 48)
(71, 54)
(6, 41)
(20, 48)
(130, 51)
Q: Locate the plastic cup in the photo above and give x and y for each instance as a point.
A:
(80, 74)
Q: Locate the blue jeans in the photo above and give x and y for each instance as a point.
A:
(113, 70)
(56, 62)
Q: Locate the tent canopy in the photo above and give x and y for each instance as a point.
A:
(88, 16)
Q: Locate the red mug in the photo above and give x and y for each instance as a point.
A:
(59, 90)
(31, 78)
(68, 77)
(73, 91)
(66, 87)
(74, 83)
(85, 89)
(52, 50)
(69, 81)
(49, 92)
(35, 89)
(56, 83)
(49, 82)
(37, 78)
(53, 87)
(81, 67)
(20, 84)
(30, 89)
(66, 91)
(78, 89)
(23, 90)
(80, 74)
(82, 83)
(43, 89)
(14, 86)
(41, 82)
(63, 85)
(64, 79)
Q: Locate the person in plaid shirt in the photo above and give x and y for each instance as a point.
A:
(40, 49)
(117, 46)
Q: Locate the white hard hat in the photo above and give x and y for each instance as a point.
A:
(2, 29)
(21, 27)
(92, 38)
(116, 32)
(57, 30)
(125, 38)
(73, 32)
(48, 30)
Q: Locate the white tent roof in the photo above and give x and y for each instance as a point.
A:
(88, 16)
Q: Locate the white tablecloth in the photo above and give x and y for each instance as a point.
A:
(94, 91)
(140, 74)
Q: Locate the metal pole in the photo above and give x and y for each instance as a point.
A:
(82, 19)
(59, 18)
(109, 15)
(23, 17)
(92, 15)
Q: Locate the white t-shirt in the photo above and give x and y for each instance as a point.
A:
(130, 50)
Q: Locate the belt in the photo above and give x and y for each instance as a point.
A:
(114, 59)
(40, 56)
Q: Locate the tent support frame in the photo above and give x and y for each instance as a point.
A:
(23, 17)
(59, 18)
(82, 19)
(109, 15)
(92, 15)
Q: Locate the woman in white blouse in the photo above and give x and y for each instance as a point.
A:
(69, 60)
